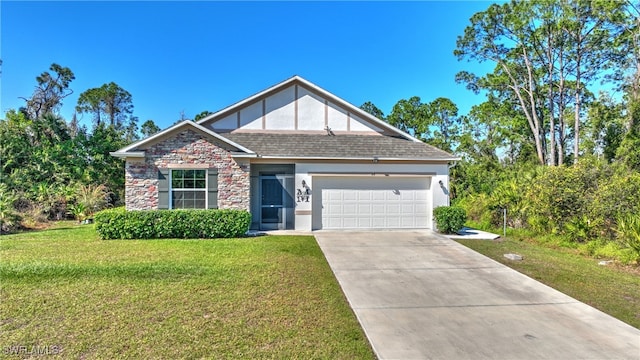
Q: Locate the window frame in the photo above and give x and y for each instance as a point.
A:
(204, 190)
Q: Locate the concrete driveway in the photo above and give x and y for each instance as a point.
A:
(419, 295)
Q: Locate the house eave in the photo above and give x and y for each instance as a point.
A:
(243, 155)
(366, 158)
(127, 154)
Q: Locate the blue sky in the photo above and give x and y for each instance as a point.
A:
(195, 56)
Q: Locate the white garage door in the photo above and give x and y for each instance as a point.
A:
(374, 202)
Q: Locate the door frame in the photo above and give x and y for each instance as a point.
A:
(282, 224)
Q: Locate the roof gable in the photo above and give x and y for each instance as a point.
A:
(137, 149)
(297, 105)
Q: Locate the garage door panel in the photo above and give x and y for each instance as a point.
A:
(378, 209)
(350, 209)
(349, 196)
(378, 222)
(358, 202)
(364, 209)
(407, 222)
(393, 209)
(394, 222)
(407, 195)
(334, 209)
(421, 211)
(408, 208)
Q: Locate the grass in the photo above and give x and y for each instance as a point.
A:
(80, 297)
(613, 290)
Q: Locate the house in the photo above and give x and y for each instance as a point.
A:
(296, 157)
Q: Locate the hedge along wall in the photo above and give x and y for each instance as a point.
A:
(177, 224)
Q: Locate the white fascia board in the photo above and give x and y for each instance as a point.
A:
(374, 173)
(244, 155)
(356, 158)
(124, 155)
(176, 127)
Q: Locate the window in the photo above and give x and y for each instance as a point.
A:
(189, 189)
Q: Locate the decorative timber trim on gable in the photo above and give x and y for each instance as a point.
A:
(253, 113)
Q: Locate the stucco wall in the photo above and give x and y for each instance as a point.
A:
(190, 149)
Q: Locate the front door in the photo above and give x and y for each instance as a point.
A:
(275, 204)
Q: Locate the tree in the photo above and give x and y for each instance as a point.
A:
(604, 128)
(51, 89)
(629, 150)
(410, 116)
(545, 52)
(202, 115)
(593, 26)
(131, 130)
(102, 168)
(498, 35)
(149, 128)
(444, 119)
(373, 110)
(110, 101)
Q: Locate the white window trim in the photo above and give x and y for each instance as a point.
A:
(205, 190)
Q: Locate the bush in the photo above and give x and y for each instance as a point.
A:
(617, 196)
(158, 224)
(449, 219)
(629, 232)
(603, 249)
(478, 209)
(9, 218)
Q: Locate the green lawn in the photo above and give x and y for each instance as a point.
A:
(265, 297)
(613, 290)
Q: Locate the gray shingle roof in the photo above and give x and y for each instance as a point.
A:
(338, 146)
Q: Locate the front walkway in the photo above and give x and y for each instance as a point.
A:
(419, 295)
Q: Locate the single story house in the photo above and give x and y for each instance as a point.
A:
(297, 157)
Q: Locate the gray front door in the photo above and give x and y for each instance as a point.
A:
(275, 202)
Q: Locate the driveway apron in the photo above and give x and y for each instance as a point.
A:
(419, 295)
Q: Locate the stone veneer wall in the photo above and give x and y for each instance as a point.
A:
(186, 147)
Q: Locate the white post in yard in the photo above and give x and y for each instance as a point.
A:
(504, 222)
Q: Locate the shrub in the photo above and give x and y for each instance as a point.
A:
(92, 198)
(9, 218)
(629, 232)
(185, 224)
(477, 207)
(556, 197)
(617, 196)
(449, 219)
(603, 249)
(581, 228)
